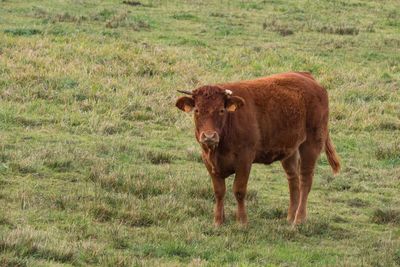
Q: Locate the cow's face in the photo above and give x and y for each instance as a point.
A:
(211, 106)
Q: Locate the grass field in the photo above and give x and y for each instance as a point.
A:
(97, 166)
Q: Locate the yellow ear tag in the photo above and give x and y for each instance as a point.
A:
(187, 108)
(231, 108)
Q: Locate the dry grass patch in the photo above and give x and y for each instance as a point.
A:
(386, 215)
(388, 151)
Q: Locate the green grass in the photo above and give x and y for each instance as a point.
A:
(97, 166)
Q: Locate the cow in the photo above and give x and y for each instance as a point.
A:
(283, 117)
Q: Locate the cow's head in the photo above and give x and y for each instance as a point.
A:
(211, 106)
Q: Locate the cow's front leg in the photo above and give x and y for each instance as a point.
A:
(240, 190)
(219, 193)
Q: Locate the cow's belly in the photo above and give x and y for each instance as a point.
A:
(267, 157)
(281, 148)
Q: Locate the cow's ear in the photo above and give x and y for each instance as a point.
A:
(233, 103)
(185, 103)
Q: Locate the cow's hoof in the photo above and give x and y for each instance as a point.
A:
(290, 219)
(298, 221)
(242, 221)
(242, 218)
(218, 224)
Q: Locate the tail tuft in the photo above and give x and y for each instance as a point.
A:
(333, 158)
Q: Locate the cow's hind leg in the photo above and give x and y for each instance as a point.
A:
(291, 166)
(309, 153)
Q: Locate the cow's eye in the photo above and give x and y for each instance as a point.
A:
(222, 111)
(196, 111)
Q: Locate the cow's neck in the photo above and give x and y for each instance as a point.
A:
(211, 158)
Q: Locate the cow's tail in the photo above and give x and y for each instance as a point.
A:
(333, 158)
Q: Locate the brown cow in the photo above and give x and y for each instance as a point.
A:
(281, 117)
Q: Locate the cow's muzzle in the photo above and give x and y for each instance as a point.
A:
(209, 138)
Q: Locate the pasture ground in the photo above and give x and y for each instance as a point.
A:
(97, 166)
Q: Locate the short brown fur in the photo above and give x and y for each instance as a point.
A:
(283, 117)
